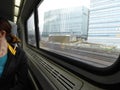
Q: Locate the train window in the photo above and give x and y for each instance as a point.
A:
(85, 30)
(31, 30)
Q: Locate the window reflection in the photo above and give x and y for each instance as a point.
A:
(31, 31)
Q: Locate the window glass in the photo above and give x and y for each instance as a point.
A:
(31, 30)
(85, 30)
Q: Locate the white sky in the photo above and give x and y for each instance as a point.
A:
(55, 4)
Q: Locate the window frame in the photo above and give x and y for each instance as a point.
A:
(76, 67)
(89, 67)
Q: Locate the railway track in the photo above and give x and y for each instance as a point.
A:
(88, 56)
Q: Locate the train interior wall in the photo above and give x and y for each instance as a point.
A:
(49, 75)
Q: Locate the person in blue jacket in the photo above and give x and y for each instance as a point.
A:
(13, 61)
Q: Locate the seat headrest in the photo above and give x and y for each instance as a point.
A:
(14, 28)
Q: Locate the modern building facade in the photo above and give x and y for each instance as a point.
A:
(68, 21)
(104, 22)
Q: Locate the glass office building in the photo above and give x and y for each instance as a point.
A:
(67, 21)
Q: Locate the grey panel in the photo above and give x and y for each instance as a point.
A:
(60, 78)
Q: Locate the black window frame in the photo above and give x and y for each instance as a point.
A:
(76, 66)
(90, 68)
